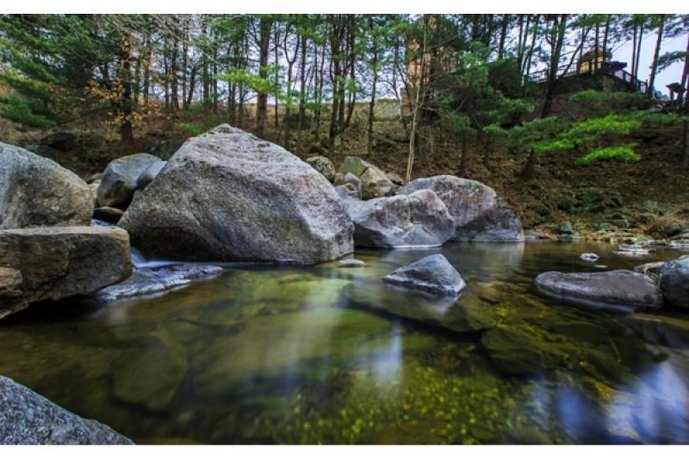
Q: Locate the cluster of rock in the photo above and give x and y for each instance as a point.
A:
(47, 249)
(652, 286)
(423, 213)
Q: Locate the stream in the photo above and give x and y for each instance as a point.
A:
(273, 354)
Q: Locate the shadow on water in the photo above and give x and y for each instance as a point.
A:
(323, 354)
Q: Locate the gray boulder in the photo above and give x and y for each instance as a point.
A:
(121, 177)
(59, 262)
(674, 282)
(149, 174)
(616, 290)
(27, 418)
(36, 191)
(416, 220)
(348, 191)
(324, 166)
(229, 196)
(433, 274)
(375, 183)
(478, 213)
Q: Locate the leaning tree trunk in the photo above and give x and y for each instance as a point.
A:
(656, 53)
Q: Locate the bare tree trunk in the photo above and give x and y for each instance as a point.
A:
(683, 81)
(205, 71)
(126, 129)
(656, 54)
(503, 34)
(417, 99)
(372, 105)
(147, 68)
(638, 50)
(302, 84)
(192, 86)
(262, 98)
(560, 26)
(527, 67)
(174, 97)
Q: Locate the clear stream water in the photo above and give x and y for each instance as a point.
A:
(266, 354)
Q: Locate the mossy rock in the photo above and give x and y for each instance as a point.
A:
(517, 352)
(149, 373)
(565, 228)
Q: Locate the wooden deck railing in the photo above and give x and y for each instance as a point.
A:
(611, 71)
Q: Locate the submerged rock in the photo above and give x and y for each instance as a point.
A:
(324, 166)
(36, 191)
(229, 196)
(433, 274)
(351, 263)
(121, 177)
(416, 220)
(59, 262)
(155, 280)
(463, 315)
(674, 282)
(515, 352)
(661, 330)
(617, 290)
(149, 373)
(28, 418)
(478, 213)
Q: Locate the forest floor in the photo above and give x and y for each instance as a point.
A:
(647, 197)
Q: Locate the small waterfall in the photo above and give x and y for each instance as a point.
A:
(139, 261)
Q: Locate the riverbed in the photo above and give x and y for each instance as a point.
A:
(268, 354)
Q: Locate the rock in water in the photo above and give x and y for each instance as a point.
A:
(58, 262)
(478, 213)
(121, 178)
(157, 280)
(432, 274)
(416, 220)
(36, 191)
(616, 290)
(229, 196)
(28, 418)
(324, 166)
(674, 282)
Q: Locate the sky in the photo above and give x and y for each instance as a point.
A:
(623, 52)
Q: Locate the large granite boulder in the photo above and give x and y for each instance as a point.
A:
(324, 166)
(416, 220)
(674, 282)
(57, 262)
(229, 196)
(479, 214)
(375, 183)
(120, 179)
(432, 274)
(616, 290)
(27, 418)
(149, 174)
(36, 191)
